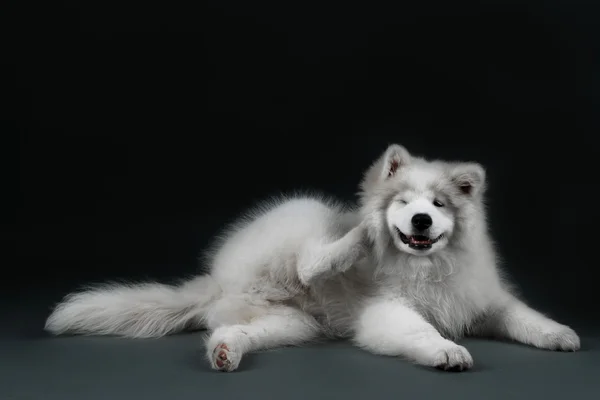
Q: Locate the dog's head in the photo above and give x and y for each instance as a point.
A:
(421, 206)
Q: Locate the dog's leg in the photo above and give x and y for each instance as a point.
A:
(283, 326)
(391, 328)
(514, 320)
(324, 260)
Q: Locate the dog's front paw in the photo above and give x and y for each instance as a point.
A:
(453, 358)
(562, 338)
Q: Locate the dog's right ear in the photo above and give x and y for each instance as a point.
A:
(394, 159)
(388, 165)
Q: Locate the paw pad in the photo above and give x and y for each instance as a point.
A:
(224, 359)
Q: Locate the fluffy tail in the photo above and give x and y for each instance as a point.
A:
(134, 310)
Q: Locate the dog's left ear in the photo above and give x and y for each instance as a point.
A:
(469, 178)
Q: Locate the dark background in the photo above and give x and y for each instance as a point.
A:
(143, 128)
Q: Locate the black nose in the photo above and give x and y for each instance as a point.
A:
(421, 221)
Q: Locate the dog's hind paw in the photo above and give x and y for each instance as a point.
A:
(224, 359)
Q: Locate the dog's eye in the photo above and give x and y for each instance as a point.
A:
(401, 201)
(438, 203)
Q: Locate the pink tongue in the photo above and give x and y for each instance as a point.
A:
(415, 241)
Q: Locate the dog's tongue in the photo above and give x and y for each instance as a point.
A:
(419, 240)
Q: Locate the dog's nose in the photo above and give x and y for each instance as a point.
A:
(421, 221)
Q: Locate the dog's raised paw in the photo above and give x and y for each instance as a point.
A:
(453, 358)
(224, 359)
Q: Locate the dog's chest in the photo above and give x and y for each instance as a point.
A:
(452, 307)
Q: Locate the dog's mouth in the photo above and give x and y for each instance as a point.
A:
(418, 242)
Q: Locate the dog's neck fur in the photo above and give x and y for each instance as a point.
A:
(390, 262)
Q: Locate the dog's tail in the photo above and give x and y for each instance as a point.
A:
(144, 310)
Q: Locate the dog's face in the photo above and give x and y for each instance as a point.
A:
(421, 203)
(417, 217)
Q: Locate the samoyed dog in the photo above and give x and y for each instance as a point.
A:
(407, 274)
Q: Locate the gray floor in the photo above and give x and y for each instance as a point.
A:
(35, 366)
(93, 368)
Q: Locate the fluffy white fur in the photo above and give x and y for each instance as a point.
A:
(304, 267)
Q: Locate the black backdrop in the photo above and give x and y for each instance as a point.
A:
(145, 127)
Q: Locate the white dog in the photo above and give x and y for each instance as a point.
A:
(409, 272)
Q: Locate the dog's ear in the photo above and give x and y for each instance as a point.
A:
(394, 159)
(388, 165)
(469, 178)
